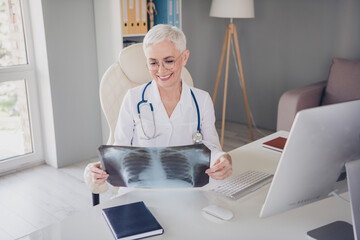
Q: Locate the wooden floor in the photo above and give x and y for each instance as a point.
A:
(34, 198)
(237, 135)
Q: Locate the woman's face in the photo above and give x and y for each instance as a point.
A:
(165, 63)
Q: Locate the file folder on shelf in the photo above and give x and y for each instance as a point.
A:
(131, 11)
(135, 20)
(137, 27)
(176, 13)
(124, 17)
(134, 17)
(164, 10)
(143, 17)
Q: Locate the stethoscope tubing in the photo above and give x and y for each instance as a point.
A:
(152, 111)
(143, 100)
(197, 110)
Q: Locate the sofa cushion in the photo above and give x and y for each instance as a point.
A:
(343, 83)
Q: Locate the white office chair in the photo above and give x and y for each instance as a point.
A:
(128, 72)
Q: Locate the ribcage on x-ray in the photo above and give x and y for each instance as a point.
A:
(176, 166)
(134, 163)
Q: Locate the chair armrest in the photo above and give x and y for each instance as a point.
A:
(295, 100)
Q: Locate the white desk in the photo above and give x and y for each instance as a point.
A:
(179, 211)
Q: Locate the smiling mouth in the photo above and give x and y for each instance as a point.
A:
(165, 78)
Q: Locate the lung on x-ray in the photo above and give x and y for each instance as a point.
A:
(156, 167)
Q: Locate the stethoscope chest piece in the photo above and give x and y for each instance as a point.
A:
(197, 137)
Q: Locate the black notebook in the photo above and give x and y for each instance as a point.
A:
(132, 221)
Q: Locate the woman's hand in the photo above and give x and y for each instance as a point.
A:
(222, 168)
(98, 175)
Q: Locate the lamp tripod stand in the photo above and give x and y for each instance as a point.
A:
(231, 32)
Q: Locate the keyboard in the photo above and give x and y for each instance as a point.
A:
(243, 184)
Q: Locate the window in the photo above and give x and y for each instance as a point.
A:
(15, 134)
(19, 115)
(12, 44)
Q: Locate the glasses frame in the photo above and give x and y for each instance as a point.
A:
(163, 64)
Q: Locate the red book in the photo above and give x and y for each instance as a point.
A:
(276, 144)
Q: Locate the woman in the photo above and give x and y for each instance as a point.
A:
(167, 106)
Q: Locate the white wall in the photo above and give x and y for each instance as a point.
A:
(289, 43)
(73, 78)
(43, 83)
(108, 42)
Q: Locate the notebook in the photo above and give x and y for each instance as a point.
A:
(276, 144)
(132, 221)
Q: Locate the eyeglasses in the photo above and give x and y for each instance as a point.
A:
(168, 64)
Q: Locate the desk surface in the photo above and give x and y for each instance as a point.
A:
(179, 210)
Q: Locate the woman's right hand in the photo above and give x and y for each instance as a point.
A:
(98, 175)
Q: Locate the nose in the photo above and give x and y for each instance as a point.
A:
(162, 67)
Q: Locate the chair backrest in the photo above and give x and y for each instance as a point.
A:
(129, 71)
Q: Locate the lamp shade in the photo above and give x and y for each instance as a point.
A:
(232, 8)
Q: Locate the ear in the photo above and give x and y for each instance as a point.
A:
(185, 57)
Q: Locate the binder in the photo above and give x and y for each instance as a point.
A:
(137, 28)
(170, 12)
(176, 13)
(124, 17)
(164, 12)
(143, 17)
(131, 12)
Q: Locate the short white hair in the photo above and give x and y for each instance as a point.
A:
(160, 32)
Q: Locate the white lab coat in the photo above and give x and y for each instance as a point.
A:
(174, 131)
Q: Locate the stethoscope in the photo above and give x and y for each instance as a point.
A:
(197, 136)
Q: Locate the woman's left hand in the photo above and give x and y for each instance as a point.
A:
(222, 168)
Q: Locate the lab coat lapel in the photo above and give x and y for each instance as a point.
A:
(185, 99)
(162, 121)
(155, 99)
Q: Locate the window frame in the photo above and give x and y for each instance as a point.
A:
(28, 73)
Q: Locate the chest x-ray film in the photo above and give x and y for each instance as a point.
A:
(156, 167)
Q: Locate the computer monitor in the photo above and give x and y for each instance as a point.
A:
(319, 144)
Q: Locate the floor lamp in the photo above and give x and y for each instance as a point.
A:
(231, 9)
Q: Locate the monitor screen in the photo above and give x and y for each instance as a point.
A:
(320, 142)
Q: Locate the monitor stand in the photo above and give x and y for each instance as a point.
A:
(333, 231)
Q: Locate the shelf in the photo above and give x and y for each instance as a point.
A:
(134, 35)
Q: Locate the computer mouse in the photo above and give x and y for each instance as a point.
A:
(218, 212)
